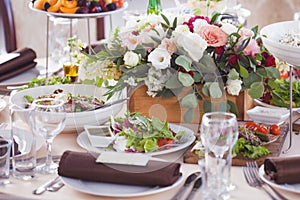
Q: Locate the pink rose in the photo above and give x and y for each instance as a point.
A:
(252, 48)
(245, 32)
(213, 35)
(168, 44)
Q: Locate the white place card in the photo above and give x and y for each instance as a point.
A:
(7, 57)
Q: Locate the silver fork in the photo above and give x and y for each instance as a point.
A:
(254, 167)
(253, 182)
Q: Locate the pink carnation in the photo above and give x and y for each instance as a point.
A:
(213, 35)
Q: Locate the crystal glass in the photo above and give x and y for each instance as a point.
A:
(219, 133)
(48, 119)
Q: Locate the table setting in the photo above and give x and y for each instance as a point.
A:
(87, 138)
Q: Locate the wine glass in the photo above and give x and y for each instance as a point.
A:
(48, 119)
(219, 133)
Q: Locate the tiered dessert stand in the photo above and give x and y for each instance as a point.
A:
(75, 16)
(271, 34)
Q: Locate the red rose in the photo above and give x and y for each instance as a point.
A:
(233, 58)
(219, 50)
(270, 61)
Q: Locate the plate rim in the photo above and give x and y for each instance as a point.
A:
(259, 102)
(163, 152)
(152, 190)
(273, 184)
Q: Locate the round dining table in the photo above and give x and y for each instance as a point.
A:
(20, 189)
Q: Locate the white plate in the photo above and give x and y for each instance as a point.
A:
(28, 139)
(259, 102)
(116, 190)
(89, 15)
(189, 138)
(287, 187)
(2, 104)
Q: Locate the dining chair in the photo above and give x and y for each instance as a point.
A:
(8, 41)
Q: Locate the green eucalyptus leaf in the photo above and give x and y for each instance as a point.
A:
(186, 79)
(223, 107)
(256, 90)
(197, 77)
(207, 106)
(243, 72)
(233, 74)
(215, 90)
(184, 61)
(272, 72)
(205, 89)
(189, 101)
(253, 77)
(166, 19)
(189, 115)
(173, 82)
(233, 107)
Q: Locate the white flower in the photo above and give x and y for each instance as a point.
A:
(131, 59)
(193, 44)
(198, 23)
(130, 81)
(160, 58)
(228, 28)
(234, 86)
(180, 30)
(156, 80)
(129, 40)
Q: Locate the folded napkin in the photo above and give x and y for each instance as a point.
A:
(283, 170)
(83, 166)
(18, 64)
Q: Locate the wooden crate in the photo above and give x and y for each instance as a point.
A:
(169, 109)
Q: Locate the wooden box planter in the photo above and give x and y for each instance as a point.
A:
(169, 109)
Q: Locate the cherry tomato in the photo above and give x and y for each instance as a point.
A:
(284, 74)
(250, 125)
(275, 129)
(261, 129)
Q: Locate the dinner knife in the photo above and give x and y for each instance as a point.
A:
(185, 186)
(43, 188)
(195, 189)
(108, 104)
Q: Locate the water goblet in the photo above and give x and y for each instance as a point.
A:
(219, 132)
(48, 119)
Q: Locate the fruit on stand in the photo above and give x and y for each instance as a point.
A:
(78, 6)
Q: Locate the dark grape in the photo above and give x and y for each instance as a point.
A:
(83, 10)
(46, 6)
(96, 9)
(81, 3)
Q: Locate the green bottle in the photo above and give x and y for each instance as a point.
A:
(154, 7)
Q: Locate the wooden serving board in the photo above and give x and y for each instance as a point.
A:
(274, 147)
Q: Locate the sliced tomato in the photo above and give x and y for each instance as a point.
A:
(275, 129)
(250, 125)
(164, 141)
(261, 129)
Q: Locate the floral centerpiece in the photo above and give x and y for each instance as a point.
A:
(170, 52)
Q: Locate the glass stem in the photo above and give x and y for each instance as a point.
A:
(49, 150)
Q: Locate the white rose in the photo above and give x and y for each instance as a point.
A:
(131, 59)
(193, 44)
(234, 86)
(160, 58)
(198, 23)
(228, 28)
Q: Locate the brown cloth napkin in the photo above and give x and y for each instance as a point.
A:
(283, 170)
(83, 166)
(19, 64)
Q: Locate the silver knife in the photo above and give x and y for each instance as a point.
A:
(108, 104)
(195, 189)
(185, 186)
(43, 188)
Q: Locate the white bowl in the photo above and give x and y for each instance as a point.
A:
(99, 136)
(76, 121)
(268, 115)
(274, 33)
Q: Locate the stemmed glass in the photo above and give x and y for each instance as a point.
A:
(219, 133)
(48, 119)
